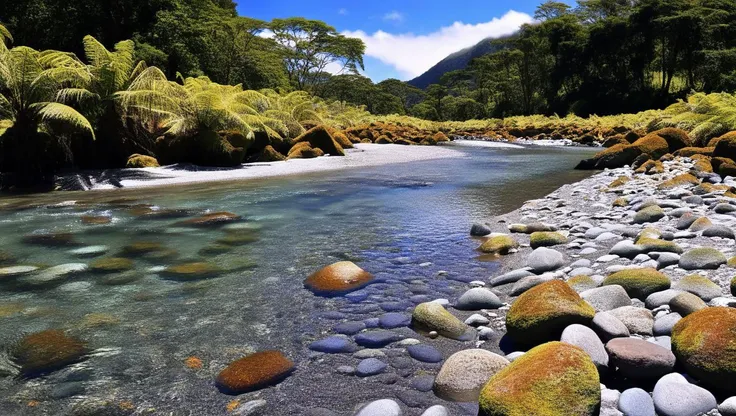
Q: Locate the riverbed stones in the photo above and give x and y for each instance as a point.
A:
(639, 283)
(338, 279)
(543, 312)
(638, 359)
(384, 407)
(686, 303)
(53, 275)
(568, 386)
(191, 271)
(111, 265)
(657, 299)
(510, 277)
(213, 219)
(545, 260)
(15, 271)
(673, 395)
(89, 251)
(702, 258)
(638, 320)
(478, 298)
(424, 353)
(606, 298)
(377, 338)
(649, 214)
(608, 326)
(499, 244)
(432, 316)
(720, 231)
(704, 343)
(546, 239)
(636, 402)
(333, 345)
(699, 285)
(47, 351)
(663, 324)
(254, 371)
(464, 374)
(584, 337)
(370, 367)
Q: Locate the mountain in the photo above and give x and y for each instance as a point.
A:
(458, 60)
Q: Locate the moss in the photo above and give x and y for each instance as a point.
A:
(727, 169)
(702, 164)
(404, 142)
(581, 283)
(639, 283)
(192, 271)
(254, 371)
(691, 283)
(700, 224)
(676, 138)
(111, 265)
(500, 244)
(554, 379)
(215, 249)
(620, 202)
(269, 154)
(547, 239)
(141, 161)
(238, 239)
(337, 279)
(431, 316)
(616, 156)
(320, 138)
(341, 139)
(141, 248)
(651, 167)
(705, 343)
(542, 312)
(692, 151)
(612, 141)
(728, 136)
(95, 219)
(619, 182)
(656, 245)
(304, 150)
(726, 147)
(649, 214)
(440, 137)
(47, 351)
(679, 180)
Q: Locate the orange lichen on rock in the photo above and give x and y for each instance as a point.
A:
(254, 371)
(338, 278)
(193, 362)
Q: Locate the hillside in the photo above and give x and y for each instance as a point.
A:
(455, 61)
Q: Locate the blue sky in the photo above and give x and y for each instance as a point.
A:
(404, 38)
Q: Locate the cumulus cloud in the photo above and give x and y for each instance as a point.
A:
(343, 12)
(394, 16)
(411, 54)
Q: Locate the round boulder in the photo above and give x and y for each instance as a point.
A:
(702, 258)
(639, 283)
(639, 359)
(338, 279)
(464, 374)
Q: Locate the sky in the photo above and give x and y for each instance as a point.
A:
(404, 38)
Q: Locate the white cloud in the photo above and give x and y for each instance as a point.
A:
(342, 12)
(412, 54)
(394, 16)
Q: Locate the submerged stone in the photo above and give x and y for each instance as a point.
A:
(338, 279)
(191, 271)
(47, 351)
(254, 372)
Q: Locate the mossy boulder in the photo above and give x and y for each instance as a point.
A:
(678, 181)
(320, 138)
(212, 219)
(51, 240)
(700, 224)
(541, 313)
(649, 245)
(269, 154)
(702, 164)
(702, 258)
(651, 167)
(304, 150)
(619, 182)
(649, 214)
(96, 219)
(141, 161)
(432, 316)
(500, 244)
(726, 147)
(620, 202)
(440, 137)
(704, 342)
(141, 248)
(254, 372)
(191, 271)
(692, 151)
(341, 139)
(613, 157)
(676, 138)
(47, 351)
(554, 379)
(384, 140)
(581, 283)
(111, 265)
(639, 283)
(206, 148)
(547, 239)
(337, 279)
(612, 141)
(728, 136)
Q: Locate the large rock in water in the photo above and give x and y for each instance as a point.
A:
(553, 379)
(464, 374)
(320, 138)
(46, 351)
(337, 279)
(543, 312)
(254, 372)
(432, 316)
(705, 343)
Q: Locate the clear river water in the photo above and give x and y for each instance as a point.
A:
(158, 342)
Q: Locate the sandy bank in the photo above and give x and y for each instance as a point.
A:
(363, 155)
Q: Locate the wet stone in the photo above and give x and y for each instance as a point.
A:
(333, 345)
(424, 353)
(377, 338)
(393, 320)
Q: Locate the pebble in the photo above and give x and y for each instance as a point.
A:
(728, 407)
(477, 320)
(510, 277)
(608, 326)
(370, 367)
(464, 374)
(545, 259)
(664, 325)
(385, 407)
(636, 402)
(674, 396)
(477, 299)
(638, 320)
(393, 320)
(584, 337)
(377, 338)
(437, 410)
(424, 353)
(606, 298)
(332, 345)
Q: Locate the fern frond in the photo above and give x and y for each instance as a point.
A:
(63, 113)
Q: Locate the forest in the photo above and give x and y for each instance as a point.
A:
(192, 81)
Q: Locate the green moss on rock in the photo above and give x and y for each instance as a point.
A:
(678, 181)
(500, 244)
(542, 312)
(554, 379)
(649, 214)
(141, 161)
(547, 239)
(639, 283)
(191, 271)
(656, 245)
(111, 265)
(320, 138)
(432, 316)
(47, 351)
(705, 343)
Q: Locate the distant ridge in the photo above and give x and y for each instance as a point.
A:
(458, 60)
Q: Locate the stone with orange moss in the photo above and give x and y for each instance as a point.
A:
(47, 351)
(191, 271)
(193, 362)
(254, 372)
(554, 379)
(704, 342)
(541, 313)
(337, 279)
(96, 219)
